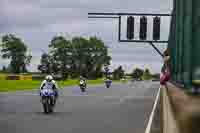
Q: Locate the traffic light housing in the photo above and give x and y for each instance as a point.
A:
(143, 28)
(130, 27)
(156, 28)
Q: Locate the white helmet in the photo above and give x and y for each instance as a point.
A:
(49, 78)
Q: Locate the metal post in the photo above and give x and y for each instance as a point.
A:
(119, 34)
(158, 51)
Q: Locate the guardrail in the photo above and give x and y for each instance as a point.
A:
(26, 77)
(181, 111)
(169, 123)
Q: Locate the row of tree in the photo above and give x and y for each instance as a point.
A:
(79, 56)
(75, 57)
(140, 74)
(137, 74)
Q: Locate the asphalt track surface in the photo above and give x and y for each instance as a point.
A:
(123, 108)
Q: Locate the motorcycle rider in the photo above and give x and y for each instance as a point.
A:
(50, 83)
(108, 80)
(83, 79)
(82, 83)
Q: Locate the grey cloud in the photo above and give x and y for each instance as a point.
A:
(38, 21)
(112, 5)
(31, 17)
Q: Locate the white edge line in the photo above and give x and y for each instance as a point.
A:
(148, 128)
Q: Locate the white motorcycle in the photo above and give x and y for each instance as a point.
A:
(82, 85)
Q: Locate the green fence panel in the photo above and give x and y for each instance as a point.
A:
(172, 44)
(187, 43)
(177, 41)
(196, 40)
(180, 40)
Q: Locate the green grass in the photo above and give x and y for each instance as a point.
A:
(98, 81)
(2, 76)
(15, 85)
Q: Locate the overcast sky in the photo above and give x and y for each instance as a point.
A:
(37, 21)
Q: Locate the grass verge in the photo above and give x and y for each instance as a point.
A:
(16, 85)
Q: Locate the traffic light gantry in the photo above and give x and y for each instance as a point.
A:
(130, 34)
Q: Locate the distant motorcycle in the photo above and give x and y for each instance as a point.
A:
(82, 85)
(108, 83)
(48, 100)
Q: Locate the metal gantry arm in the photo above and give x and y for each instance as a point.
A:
(128, 14)
(157, 50)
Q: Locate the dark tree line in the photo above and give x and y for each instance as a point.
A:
(68, 58)
(140, 74)
(79, 56)
(118, 73)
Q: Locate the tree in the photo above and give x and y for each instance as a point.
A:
(13, 48)
(137, 73)
(147, 75)
(118, 73)
(156, 76)
(45, 64)
(61, 54)
(79, 56)
(90, 56)
(4, 69)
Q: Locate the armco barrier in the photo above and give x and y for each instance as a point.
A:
(42, 77)
(12, 77)
(38, 77)
(25, 77)
(186, 109)
(181, 111)
(18, 77)
(169, 123)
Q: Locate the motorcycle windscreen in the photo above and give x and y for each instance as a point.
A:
(47, 92)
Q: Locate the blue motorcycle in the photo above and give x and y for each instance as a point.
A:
(48, 100)
(108, 83)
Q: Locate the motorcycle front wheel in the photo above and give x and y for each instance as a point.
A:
(45, 108)
(83, 89)
(47, 105)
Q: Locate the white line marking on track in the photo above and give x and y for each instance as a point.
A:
(148, 128)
